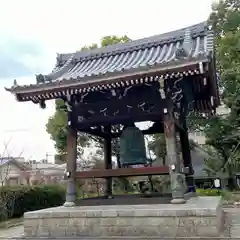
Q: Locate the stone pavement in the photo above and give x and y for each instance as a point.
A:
(11, 232)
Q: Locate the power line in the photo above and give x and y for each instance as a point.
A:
(17, 130)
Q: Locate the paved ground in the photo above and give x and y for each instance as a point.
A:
(11, 232)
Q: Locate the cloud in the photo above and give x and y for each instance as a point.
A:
(20, 57)
(33, 31)
(22, 127)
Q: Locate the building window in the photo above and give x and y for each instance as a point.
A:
(198, 134)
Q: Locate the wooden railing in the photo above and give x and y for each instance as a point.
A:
(123, 172)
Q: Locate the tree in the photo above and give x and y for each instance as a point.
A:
(7, 167)
(225, 20)
(223, 132)
(57, 124)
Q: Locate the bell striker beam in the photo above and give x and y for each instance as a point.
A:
(186, 155)
(177, 179)
(107, 147)
(71, 160)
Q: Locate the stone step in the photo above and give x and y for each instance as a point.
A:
(236, 220)
(234, 233)
(235, 224)
(124, 238)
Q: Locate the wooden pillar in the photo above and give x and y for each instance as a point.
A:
(108, 160)
(71, 167)
(186, 155)
(178, 184)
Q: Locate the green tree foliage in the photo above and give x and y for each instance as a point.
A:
(57, 124)
(223, 132)
(57, 127)
(225, 20)
(110, 40)
(16, 200)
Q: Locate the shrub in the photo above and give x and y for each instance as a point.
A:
(215, 192)
(209, 192)
(16, 200)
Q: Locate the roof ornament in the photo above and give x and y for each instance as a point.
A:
(59, 60)
(42, 78)
(185, 50)
(15, 84)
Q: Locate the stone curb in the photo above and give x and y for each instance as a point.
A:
(231, 206)
(124, 238)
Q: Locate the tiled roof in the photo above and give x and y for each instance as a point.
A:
(9, 160)
(5, 160)
(163, 52)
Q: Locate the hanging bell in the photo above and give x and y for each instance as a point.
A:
(132, 147)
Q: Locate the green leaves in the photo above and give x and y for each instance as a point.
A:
(57, 127)
(225, 17)
(223, 133)
(19, 199)
(110, 40)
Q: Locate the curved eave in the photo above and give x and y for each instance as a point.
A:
(9, 89)
(166, 70)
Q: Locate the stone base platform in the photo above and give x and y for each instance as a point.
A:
(199, 217)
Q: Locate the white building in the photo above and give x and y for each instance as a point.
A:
(198, 136)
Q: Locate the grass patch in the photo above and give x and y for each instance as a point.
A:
(228, 197)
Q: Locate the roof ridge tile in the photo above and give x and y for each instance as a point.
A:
(147, 42)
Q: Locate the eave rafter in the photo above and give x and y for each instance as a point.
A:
(60, 91)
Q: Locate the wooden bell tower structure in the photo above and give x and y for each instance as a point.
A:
(159, 79)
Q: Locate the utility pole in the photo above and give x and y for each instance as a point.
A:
(17, 130)
(48, 155)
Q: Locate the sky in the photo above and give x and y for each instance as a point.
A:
(33, 32)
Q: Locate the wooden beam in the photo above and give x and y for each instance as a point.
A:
(186, 155)
(95, 132)
(173, 160)
(123, 172)
(105, 121)
(107, 148)
(157, 127)
(71, 167)
(178, 125)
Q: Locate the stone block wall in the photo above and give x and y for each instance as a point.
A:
(96, 227)
(187, 220)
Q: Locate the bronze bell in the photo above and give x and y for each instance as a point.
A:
(132, 147)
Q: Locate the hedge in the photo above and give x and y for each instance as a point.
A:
(16, 200)
(215, 192)
(209, 192)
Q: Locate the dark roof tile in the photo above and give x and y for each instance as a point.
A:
(173, 36)
(170, 49)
